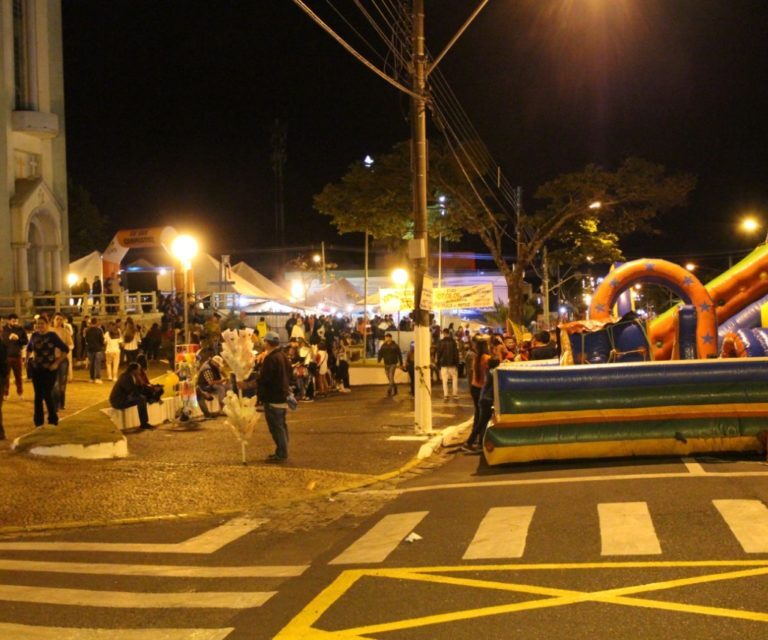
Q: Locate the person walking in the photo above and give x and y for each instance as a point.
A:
(131, 339)
(390, 354)
(274, 391)
(15, 339)
(447, 358)
(45, 352)
(94, 346)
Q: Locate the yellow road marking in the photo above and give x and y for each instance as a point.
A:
(302, 625)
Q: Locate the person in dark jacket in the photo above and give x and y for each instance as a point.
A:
(390, 354)
(543, 348)
(15, 339)
(274, 391)
(128, 392)
(447, 357)
(43, 367)
(94, 346)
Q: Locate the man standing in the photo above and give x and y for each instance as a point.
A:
(15, 339)
(96, 291)
(94, 346)
(447, 357)
(274, 390)
(389, 352)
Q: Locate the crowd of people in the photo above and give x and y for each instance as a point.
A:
(311, 364)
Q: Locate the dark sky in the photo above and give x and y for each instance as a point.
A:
(170, 104)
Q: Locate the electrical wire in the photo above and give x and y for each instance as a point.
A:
(348, 47)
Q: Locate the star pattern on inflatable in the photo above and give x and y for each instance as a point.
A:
(705, 307)
(600, 307)
(707, 338)
(687, 281)
(649, 266)
(614, 283)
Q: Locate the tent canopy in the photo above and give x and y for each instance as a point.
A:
(206, 271)
(339, 293)
(273, 291)
(87, 267)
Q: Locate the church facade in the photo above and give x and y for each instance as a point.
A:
(34, 245)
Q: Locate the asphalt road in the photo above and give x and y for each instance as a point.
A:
(623, 549)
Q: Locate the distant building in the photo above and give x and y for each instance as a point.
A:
(34, 244)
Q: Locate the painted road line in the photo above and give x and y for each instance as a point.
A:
(158, 571)
(520, 482)
(501, 534)
(748, 520)
(29, 632)
(626, 529)
(134, 599)
(381, 540)
(208, 542)
(694, 467)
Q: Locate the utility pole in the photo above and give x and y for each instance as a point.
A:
(418, 246)
(545, 285)
(322, 258)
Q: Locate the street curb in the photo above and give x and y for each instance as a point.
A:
(425, 451)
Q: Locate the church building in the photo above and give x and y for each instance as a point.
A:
(34, 244)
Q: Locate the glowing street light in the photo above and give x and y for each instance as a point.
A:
(72, 279)
(184, 248)
(595, 205)
(690, 266)
(750, 224)
(400, 276)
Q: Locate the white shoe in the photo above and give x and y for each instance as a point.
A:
(98, 381)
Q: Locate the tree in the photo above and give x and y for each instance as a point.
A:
(569, 222)
(87, 227)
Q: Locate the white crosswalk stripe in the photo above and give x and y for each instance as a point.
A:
(626, 529)
(29, 632)
(381, 540)
(501, 534)
(748, 519)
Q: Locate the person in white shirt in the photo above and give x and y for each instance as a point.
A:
(112, 350)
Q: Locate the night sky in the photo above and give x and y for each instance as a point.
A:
(170, 104)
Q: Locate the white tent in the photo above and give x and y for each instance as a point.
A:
(275, 292)
(339, 293)
(87, 267)
(206, 272)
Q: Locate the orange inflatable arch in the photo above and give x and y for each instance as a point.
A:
(675, 278)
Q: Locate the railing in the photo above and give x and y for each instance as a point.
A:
(25, 305)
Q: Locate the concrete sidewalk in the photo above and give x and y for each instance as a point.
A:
(336, 443)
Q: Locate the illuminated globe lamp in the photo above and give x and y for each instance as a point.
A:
(184, 248)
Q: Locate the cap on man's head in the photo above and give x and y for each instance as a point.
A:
(13, 316)
(272, 337)
(218, 361)
(387, 335)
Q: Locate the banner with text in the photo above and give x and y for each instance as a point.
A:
(478, 296)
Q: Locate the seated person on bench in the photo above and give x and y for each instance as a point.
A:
(128, 392)
(211, 384)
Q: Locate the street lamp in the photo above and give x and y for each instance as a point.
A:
(184, 248)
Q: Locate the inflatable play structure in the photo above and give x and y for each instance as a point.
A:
(655, 389)
(641, 408)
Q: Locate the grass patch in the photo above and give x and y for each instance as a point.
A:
(74, 432)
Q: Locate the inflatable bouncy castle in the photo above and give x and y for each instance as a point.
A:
(631, 388)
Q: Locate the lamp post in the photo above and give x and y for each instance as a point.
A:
(319, 258)
(184, 248)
